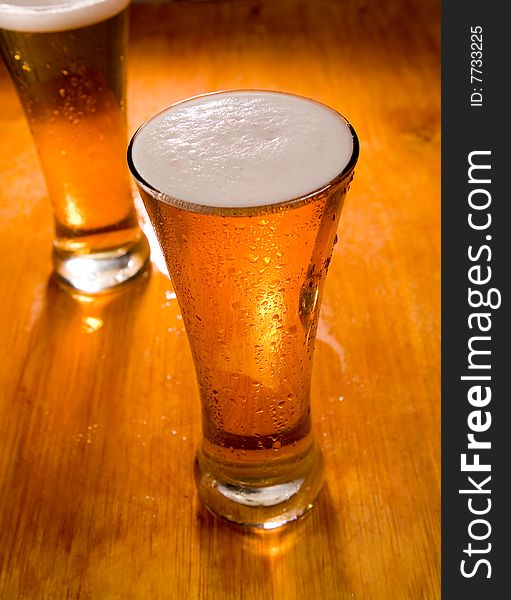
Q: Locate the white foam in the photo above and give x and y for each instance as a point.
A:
(56, 15)
(242, 148)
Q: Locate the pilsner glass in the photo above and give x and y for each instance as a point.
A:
(248, 275)
(67, 61)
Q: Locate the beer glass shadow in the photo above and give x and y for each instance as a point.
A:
(245, 562)
(69, 401)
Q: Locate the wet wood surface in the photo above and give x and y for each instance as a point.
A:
(99, 410)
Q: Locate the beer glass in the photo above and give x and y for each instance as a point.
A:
(67, 61)
(248, 274)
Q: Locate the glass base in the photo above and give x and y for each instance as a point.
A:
(100, 271)
(263, 504)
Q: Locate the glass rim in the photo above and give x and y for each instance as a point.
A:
(341, 179)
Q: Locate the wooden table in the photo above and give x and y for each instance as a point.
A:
(99, 410)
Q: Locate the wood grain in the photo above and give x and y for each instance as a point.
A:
(99, 410)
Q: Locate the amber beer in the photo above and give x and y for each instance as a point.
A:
(67, 61)
(247, 229)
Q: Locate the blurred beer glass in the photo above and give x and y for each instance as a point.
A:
(67, 61)
(244, 190)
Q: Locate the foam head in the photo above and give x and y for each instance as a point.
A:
(42, 16)
(242, 149)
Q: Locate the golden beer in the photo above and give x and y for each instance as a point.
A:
(72, 85)
(249, 280)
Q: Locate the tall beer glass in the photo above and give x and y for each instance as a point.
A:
(67, 61)
(244, 190)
